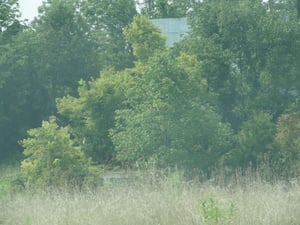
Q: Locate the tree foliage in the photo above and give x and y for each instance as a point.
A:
(145, 38)
(256, 140)
(46, 59)
(91, 115)
(52, 158)
(288, 140)
(228, 91)
(9, 13)
(168, 120)
(287, 137)
(155, 9)
(249, 53)
(107, 20)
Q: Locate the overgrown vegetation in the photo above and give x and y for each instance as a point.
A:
(11, 180)
(216, 211)
(52, 158)
(227, 95)
(161, 199)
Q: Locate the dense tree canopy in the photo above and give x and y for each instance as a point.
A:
(91, 115)
(168, 119)
(165, 9)
(107, 20)
(145, 38)
(47, 59)
(9, 13)
(228, 92)
(250, 54)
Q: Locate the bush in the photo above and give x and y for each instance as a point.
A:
(288, 141)
(255, 141)
(52, 158)
(11, 180)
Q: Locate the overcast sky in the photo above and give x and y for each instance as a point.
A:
(29, 8)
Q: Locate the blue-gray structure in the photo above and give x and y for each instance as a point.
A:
(173, 28)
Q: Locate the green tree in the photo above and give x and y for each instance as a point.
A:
(249, 51)
(9, 14)
(46, 60)
(10, 27)
(158, 111)
(165, 9)
(145, 38)
(39, 65)
(298, 8)
(107, 20)
(52, 158)
(66, 52)
(91, 114)
(168, 119)
(288, 140)
(256, 141)
(78, 39)
(22, 94)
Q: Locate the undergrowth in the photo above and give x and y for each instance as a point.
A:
(164, 198)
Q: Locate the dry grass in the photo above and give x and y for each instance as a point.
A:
(161, 203)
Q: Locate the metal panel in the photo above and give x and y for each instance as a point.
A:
(173, 28)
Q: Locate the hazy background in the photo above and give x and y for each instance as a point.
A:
(29, 8)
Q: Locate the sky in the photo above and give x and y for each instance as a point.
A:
(29, 8)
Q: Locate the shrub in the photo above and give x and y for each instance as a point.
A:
(255, 141)
(288, 141)
(52, 158)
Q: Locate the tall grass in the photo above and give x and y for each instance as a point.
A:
(165, 200)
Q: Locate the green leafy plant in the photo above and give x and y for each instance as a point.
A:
(52, 158)
(145, 38)
(255, 140)
(288, 141)
(12, 184)
(216, 211)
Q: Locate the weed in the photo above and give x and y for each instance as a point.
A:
(217, 211)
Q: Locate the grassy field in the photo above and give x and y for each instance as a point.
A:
(244, 200)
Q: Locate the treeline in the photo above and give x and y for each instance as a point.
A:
(69, 40)
(226, 94)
